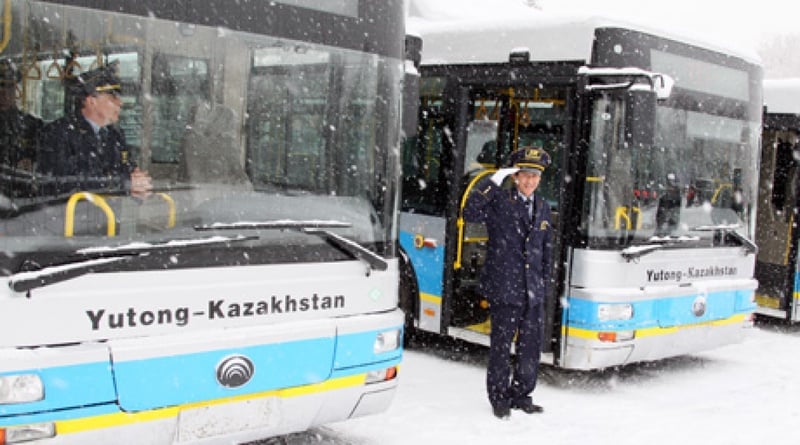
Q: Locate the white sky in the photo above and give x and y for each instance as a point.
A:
(742, 22)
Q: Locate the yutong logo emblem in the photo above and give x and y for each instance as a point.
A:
(699, 306)
(235, 371)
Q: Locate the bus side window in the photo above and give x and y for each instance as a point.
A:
(481, 145)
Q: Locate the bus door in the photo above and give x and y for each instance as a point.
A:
(776, 236)
(498, 120)
(422, 217)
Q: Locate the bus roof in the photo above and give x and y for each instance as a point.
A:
(548, 36)
(782, 95)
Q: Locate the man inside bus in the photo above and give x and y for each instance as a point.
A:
(18, 130)
(86, 150)
(515, 276)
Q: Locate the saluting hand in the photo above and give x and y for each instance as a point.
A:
(500, 175)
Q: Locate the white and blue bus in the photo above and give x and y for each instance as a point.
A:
(778, 294)
(254, 292)
(654, 140)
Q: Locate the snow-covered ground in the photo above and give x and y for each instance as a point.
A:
(747, 393)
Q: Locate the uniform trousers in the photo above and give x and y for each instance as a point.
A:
(509, 382)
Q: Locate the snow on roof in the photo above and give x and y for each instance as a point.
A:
(550, 36)
(782, 95)
(491, 41)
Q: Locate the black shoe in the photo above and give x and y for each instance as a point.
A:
(501, 412)
(528, 407)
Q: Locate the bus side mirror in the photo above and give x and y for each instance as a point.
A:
(640, 118)
(662, 85)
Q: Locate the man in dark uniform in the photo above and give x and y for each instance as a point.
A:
(515, 276)
(18, 134)
(86, 151)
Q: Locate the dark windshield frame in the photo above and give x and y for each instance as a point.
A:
(621, 48)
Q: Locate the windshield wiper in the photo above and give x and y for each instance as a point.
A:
(634, 252)
(712, 227)
(97, 259)
(730, 229)
(656, 243)
(276, 224)
(313, 227)
(375, 261)
(25, 281)
(139, 248)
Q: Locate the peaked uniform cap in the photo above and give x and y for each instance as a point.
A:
(100, 80)
(531, 159)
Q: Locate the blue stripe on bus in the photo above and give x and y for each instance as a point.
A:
(186, 378)
(68, 414)
(428, 264)
(661, 312)
(72, 385)
(97, 412)
(181, 379)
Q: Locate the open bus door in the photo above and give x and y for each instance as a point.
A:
(493, 121)
(776, 232)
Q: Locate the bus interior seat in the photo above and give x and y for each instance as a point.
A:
(209, 150)
(488, 155)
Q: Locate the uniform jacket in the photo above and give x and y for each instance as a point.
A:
(519, 256)
(18, 134)
(79, 159)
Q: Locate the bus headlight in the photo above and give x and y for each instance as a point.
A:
(614, 311)
(25, 433)
(20, 388)
(387, 341)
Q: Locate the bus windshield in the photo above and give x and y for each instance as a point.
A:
(229, 126)
(698, 178)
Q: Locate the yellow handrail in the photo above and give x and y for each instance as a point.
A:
(481, 112)
(719, 190)
(460, 220)
(6, 25)
(525, 117)
(622, 213)
(788, 240)
(171, 203)
(638, 211)
(97, 200)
